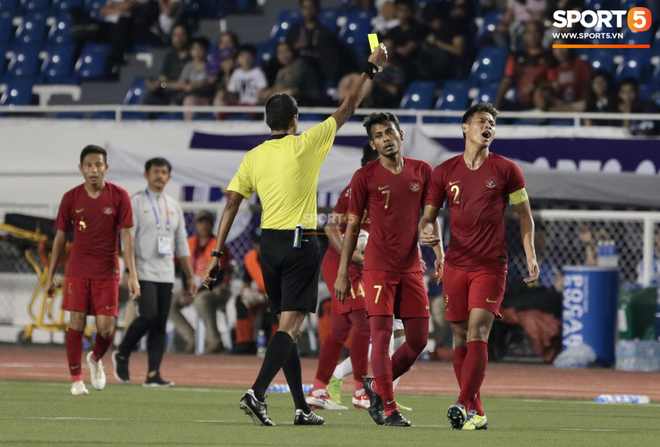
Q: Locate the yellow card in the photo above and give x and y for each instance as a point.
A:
(373, 42)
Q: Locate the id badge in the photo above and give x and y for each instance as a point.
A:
(164, 245)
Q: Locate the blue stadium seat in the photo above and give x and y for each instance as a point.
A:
(25, 62)
(135, 92)
(602, 31)
(454, 97)
(487, 93)
(646, 92)
(329, 20)
(94, 8)
(64, 5)
(91, 63)
(596, 5)
(3, 49)
(6, 27)
(627, 4)
(419, 96)
(60, 32)
(286, 18)
(636, 64)
(491, 20)
(8, 5)
(601, 58)
(18, 93)
(356, 28)
(35, 5)
(489, 65)
(191, 7)
(655, 46)
(56, 69)
(265, 52)
(634, 38)
(656, 77)
(32, 29)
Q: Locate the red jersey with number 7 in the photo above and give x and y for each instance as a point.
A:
(477, 201)
(393, 203)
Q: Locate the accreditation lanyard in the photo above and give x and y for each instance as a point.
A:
(164, 241)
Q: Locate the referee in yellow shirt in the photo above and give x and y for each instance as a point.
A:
(284, 172)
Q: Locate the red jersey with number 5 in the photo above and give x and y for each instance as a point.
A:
(393, 203)
(96, 224)
(477, 201)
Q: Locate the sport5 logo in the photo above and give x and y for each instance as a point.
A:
(639, 19)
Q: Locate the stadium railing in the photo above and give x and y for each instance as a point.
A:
(418, 116)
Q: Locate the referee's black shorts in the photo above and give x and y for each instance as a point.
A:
(291, 275)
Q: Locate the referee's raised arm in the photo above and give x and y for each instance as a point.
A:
(356, 95)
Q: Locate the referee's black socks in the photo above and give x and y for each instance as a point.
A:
(293, 373)
(277, 354)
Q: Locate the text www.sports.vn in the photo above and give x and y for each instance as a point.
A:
(587, 35)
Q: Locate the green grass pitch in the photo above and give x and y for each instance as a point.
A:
(44, 413)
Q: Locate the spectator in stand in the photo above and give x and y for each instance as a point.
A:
(407, 37)
(296, 78)
(170, 10)
(386, 18)
(245, 82)
(513, 25)
(313, 41)
(600, 98)
(444, 47)
(527, 68)
(570, 79)
(630, 102)
(194, 82)
(206, 301)
(177, 57)
(221, 62)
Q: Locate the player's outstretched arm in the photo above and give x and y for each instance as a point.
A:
(343, 283)
(58, 248)
(129, 262)
(359, 90)
(524, 211)
(226, 221)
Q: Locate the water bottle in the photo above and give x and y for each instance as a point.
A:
(622, 399)
(307, 388)
(261, 343)
(607, 254)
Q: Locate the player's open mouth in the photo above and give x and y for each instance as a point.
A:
(389, 146)
(487, 134)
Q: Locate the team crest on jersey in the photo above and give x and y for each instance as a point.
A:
(491, 183)
(107, 209)
(415, 186)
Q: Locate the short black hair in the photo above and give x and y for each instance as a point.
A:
(202, 41)
(317, 3)
(233, 36)
(380, 118)
(479, 107)
(158, 161)
(92, 149)
(368, 154)
(185, 27)
(409, 3)
(280, 110)
(248, 48)
(630, 81)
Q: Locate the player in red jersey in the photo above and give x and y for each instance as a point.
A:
(478, 185)
(97, 212)
(344, 316)
(392, 190)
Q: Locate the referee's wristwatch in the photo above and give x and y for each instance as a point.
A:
(216, 254)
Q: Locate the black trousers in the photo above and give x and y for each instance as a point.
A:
(153, 309)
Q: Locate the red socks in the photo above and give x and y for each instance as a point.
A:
(328, 357)
(472, 375)
(360, 346)
(459, 358)
(74, 347)
(101, 346)
(417, 337)
(381, 332)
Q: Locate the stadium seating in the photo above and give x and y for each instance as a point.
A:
(35, 5)
(596, 5)
(491, 20)
(24, 63)
(284, 22)
(489, 65)
(419, 96)
(329, 20)
(136, 92)
(91, 63)
(60, 32)
(356, 28)
(636, 64)
(94, 7)
(3, 49)
(56, 68)
(18, 93)
(634, 38)
(487, 93)
(600, 58)
(32, 29)
(454, 97)
(8, 5)
(6, 27)
(64, 5)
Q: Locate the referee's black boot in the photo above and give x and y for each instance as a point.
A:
(396, 419)
(256, 409)
(308, 419)
(376, 408)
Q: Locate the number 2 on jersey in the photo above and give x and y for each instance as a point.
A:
(456, 190)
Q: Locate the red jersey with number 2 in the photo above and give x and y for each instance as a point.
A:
(96, 224)
(477, 201)
(393, 203)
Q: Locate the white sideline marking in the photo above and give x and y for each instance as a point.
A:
(579, 402)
